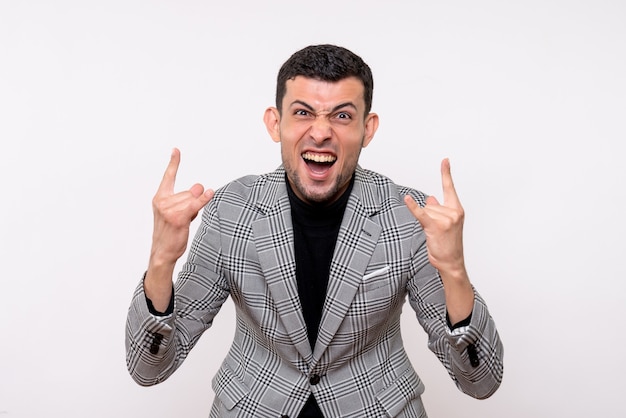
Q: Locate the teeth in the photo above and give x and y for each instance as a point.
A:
(318, 158)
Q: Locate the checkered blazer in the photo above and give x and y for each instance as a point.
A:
(244, 248)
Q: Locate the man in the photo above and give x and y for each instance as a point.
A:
(319, 257)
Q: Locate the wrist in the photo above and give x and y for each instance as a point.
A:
(157, 285)
(459, 294)
(454, 274)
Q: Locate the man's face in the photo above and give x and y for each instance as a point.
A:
(321, 129)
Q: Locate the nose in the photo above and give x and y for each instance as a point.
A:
(320, 129)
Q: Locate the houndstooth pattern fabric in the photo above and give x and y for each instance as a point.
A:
(358, 367)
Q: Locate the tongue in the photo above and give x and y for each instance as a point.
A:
(318, 168)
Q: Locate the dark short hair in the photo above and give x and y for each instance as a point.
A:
(327, 63)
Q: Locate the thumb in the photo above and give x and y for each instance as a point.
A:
(432, 200)
(201, 202)
(197, 190)
(206, 197)
(417, 211)
(202, 196)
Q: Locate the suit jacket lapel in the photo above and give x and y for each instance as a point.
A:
(273, 237)
(355, 245)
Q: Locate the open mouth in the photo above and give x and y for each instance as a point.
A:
(318, 163)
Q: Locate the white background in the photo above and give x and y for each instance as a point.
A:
(528, 99)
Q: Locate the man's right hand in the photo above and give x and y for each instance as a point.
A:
(173, 214)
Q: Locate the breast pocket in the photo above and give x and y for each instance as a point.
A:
(384, 282)
(377, 301)
(376, 279)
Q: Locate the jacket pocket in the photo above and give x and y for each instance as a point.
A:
(228, 387)
(377, 278)
(404, 390)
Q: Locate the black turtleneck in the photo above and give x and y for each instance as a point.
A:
(315, 229)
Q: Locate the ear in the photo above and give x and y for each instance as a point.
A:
(272, 123)
(371, 125)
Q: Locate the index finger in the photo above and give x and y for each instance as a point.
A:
(450, 198)
(169, 177)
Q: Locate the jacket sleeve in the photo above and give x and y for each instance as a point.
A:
(157, 345)
(472, 354)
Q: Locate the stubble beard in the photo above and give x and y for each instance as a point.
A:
(325, 196)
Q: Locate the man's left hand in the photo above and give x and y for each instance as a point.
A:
(443, 226)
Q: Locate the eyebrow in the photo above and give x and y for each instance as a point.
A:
(334, 109)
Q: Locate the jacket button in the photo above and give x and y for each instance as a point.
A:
(473, 355)
(156, 341)
(315, 379)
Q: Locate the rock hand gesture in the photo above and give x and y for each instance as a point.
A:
(443, 226)
(173, 214)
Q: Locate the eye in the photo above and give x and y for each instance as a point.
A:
(343, 115)
(301, 112)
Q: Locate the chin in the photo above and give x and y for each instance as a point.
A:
(311, 191)
(315, 195)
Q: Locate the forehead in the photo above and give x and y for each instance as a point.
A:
(323, 94)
